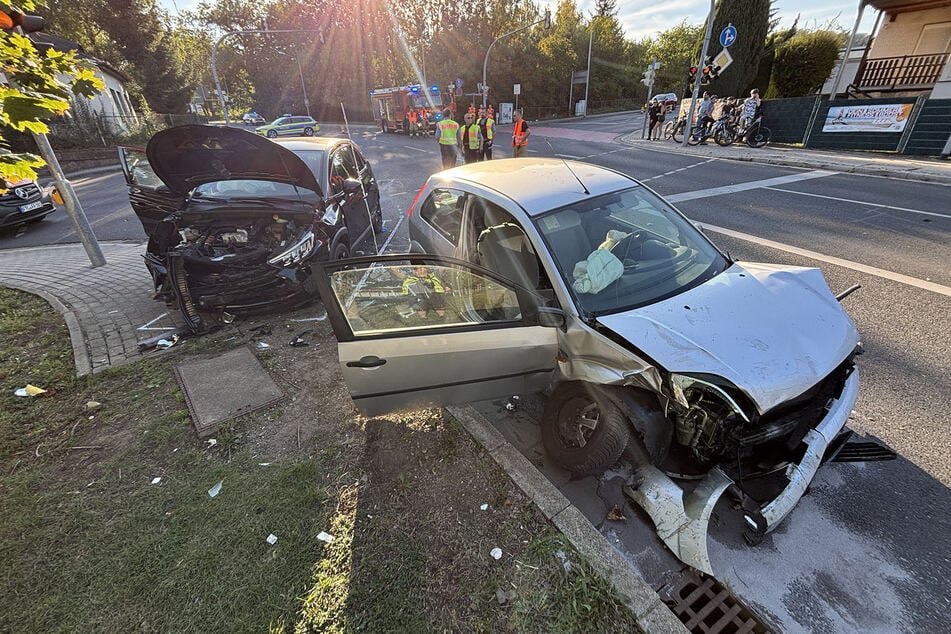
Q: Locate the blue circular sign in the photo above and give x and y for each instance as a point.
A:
(728, 36)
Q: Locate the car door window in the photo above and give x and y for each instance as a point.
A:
(342, 167)
(443, 211)
(402, 297)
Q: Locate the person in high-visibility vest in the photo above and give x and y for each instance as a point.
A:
(413, 128)
(447, 135)
(470, 138)
(519, 135)
(487, 125)
(471, 110)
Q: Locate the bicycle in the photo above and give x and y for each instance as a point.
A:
(755, 134)
(674, 128)
(721, 131)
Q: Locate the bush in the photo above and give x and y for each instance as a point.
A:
(804, 63)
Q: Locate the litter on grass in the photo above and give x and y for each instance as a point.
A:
(484, 507)
(512, 404)
(325, 537)
(167, 343)
(271, 539)
(29, 390)
(564, 560)
(215, 490)
(263, 346)
(156, 479)
(496, 553)
(92, 404)
(212, 442)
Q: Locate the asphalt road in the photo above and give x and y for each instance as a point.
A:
(868, 549)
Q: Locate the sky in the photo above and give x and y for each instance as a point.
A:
(642, 18)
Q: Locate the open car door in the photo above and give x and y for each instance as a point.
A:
(416, 330)
(150, 198)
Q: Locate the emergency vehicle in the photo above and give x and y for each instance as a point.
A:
(391, 106)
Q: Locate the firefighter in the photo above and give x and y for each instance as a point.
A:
(470, 138)
(472, 110)
(447, 131)
(423, 122)
(413, 128)
(519, 135)
(487, 126)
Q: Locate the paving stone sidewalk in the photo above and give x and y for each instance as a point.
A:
(108, 309)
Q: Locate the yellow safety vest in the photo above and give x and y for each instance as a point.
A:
(473, 135)
(489, 128)
(448, 129)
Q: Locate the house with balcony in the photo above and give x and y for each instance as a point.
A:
(909, 54)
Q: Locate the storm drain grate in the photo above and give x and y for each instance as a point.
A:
(705, 606)
(864, 452)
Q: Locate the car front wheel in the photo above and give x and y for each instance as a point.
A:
(271, 134)
(308, 132)
(583, 431)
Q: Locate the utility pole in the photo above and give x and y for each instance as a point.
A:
(696, 81)
(587, 77)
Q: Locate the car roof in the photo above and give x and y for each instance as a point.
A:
(309, 142)
(538, 184)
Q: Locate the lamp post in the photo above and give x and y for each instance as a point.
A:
(485, 64)
(696, 81)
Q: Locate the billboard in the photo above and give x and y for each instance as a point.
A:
(888, 117)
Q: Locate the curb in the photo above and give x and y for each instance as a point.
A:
(651, 613)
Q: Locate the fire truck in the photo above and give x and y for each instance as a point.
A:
(391, 106)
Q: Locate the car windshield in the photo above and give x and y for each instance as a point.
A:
(251, 188)
(627, 249)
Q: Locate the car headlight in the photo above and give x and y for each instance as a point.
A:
(687, 390)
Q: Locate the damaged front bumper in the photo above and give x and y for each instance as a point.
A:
(682, 520)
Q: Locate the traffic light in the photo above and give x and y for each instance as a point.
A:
(691, 74)
(11, 19)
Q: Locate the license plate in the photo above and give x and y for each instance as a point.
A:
(31, 206)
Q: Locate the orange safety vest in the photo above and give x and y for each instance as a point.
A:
(518, 137)
(412, 117)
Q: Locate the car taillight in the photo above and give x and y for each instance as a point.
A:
(415, 200)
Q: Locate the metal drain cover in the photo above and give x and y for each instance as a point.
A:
(705, 606)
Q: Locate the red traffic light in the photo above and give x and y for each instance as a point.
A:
(693, 71)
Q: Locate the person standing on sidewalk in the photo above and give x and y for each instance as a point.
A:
(519, 135)
(470, 138)
(487, 125)
(704, 117)
(447, 135)
(653, 112)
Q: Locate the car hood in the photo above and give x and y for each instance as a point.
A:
(187, 156)
(772, 331)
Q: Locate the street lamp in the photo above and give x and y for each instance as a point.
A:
(485, 64)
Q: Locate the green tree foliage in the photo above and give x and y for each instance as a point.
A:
(38, 86)
(774, 40)
(752, 21)
(676, 50)
(804, 62)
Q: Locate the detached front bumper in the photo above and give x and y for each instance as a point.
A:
(800, 475)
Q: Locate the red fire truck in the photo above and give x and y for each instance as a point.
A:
(391, 106)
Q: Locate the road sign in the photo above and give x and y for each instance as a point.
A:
(723, 60)
(458, 83)
(518, 89)
(728, 35)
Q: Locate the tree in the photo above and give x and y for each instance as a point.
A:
(752, 21)
(676, 50)
(804, 62)
(37, 87)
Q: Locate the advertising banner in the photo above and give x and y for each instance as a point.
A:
(888, 117)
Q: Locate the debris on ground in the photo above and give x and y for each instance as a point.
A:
(93, 404)
(263, 346)
(484, 507)
(560, 554)
(271, 539)
(29, 390)
(151, 342)
(227, 317)
(496, 553)
(167, 343)
(215, 490)
(512, 404)
(616, 514)
(504, 596)
(325, 537)
(156, 480)
(298, 340)
(320, 317)
(212, 442)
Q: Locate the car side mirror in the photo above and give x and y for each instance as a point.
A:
(352, 187)
(552, 318)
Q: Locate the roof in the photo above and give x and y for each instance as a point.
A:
(44, 41)
(540, 184)
(905, 6)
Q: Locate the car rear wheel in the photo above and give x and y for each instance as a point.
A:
(271, 134)
(308, 132)
(583, 431)
(341, 248)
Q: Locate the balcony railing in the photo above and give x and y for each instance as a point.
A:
(909, 72)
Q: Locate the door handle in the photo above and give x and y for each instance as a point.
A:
(367, 362)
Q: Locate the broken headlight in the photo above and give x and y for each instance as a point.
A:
(700, 419)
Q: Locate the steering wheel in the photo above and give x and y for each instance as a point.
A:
(629, 245)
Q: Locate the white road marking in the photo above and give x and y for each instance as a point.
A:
(418, 149)
(855, 266)
(678, 170)
(860, 202)
(742, 187)
(571, 156)
(392, 234)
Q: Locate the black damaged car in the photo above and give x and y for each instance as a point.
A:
(234, 219)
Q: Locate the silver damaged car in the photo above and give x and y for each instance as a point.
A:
(560, 276)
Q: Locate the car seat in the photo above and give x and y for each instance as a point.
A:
(504, 248)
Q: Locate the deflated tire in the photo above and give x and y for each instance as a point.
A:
(583, 431)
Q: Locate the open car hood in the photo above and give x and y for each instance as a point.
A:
(773, 331)
(187, 156)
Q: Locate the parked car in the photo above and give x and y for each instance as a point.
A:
(543, 274)
(235, 220)
(288, 124)
(253, 118)
(24, 202)
(669, 99)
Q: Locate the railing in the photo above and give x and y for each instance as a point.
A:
(908, 72)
